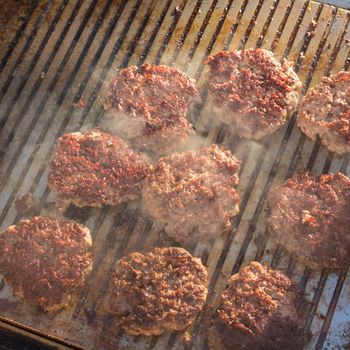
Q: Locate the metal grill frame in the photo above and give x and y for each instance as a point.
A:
(90, 39)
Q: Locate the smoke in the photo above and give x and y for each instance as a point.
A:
(122, 125)
(196, 141)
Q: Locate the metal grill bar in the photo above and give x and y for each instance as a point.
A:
(245, 199)
(33, 63)
(278, 252)
(125, 241)
(177, 15)
(214, 37)
(80, 91)
(247, 191)
(91, 67)
(37, 335)
(82, 84)
(35, 59)
(18, 35)
(29, 40)
(239, 260)
(125, 244)
(44, 101)
(51, 86)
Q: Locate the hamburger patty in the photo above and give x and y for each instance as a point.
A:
(45, 260)
(193, 193)
(309, 216)
(252, 90)
(260, 309)
(149, 106)
(325, 112)
(151, 293)
(94, 169)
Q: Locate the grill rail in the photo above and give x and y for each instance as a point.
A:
(69, 49)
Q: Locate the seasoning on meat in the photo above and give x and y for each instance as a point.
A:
(193, 193)
(309, 216)
(252, 91)
(94, 169)
(45, 260)
(325, 113)
(149, 106)
(151, 293)
(260, 309)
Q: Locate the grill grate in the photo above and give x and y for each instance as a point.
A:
(66, 50)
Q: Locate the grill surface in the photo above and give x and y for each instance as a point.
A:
(69, 49)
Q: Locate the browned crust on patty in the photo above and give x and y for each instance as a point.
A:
(252, 90)
(325, 112)
(45, 260)
(151, 293)
(193, 193)
(260, 309)
(309, 216)
(94, 169)
(154, 101)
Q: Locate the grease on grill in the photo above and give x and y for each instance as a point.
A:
(12, 14)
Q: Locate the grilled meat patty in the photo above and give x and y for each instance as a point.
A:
(260, 309)
(149, 106)
(151, 293)
(252, 91)
(309, 216)
(45, 260)
(325, 113)
(94, 169)
(193, 193)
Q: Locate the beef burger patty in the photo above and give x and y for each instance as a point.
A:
(260, 309)
(325, 113)
(193, 193)
(252, 91)
(94, 169)
(45, 260)
(151, 293)
(149, 106)
(309, 216)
